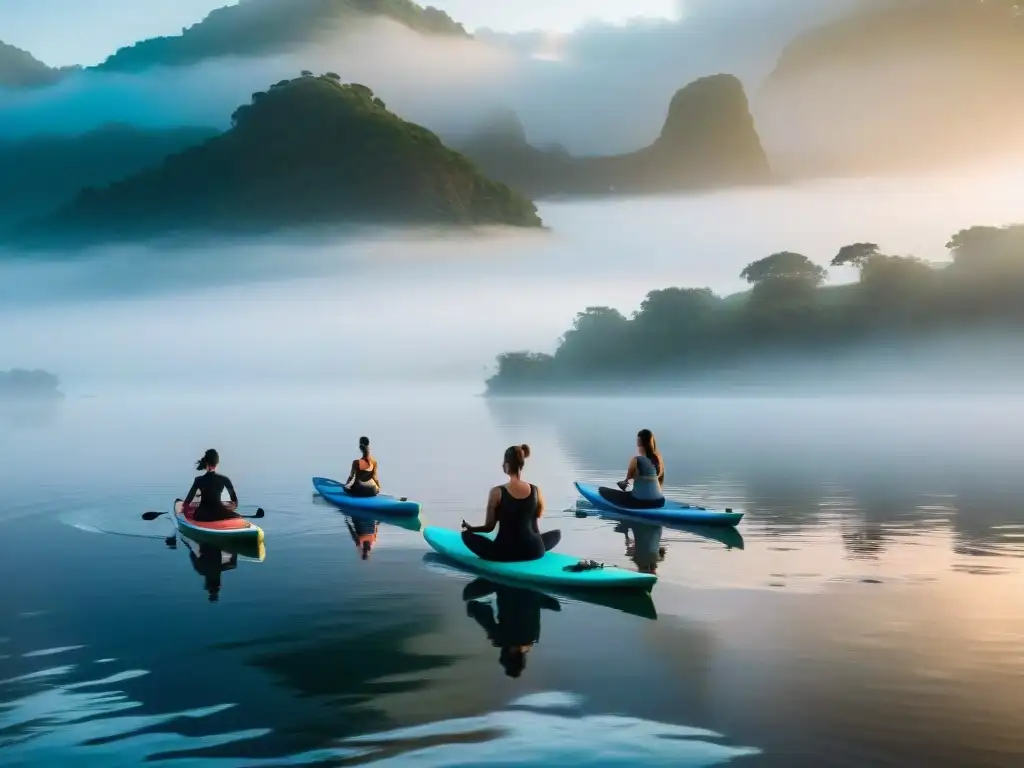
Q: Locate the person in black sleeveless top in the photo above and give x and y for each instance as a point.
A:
(210, 486)
(514, 509)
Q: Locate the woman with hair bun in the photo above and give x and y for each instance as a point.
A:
(362, 479)
(210, 487)
(514, 509)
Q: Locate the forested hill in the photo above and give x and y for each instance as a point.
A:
(309, 151)
(267, 27)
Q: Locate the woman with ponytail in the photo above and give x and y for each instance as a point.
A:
(210, 487)
(647, 471)
(514, 509)
(362, 479)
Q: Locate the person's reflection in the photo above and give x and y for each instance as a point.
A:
(645, 547)
(363, 533)
(517, 625)
(210, 564)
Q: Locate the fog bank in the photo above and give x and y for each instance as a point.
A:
(419, 305)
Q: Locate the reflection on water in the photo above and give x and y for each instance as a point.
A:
(531, 732)
(865, 612)
(512, 623)
(28, 414)
(63, 716)
(834, 489)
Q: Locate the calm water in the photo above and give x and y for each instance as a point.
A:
(869, 612)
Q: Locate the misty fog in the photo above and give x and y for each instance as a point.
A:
(406, 305)
(601, 89)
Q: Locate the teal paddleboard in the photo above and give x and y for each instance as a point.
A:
(549, 569)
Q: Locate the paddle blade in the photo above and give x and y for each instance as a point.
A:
(259, 512)
(152, 515)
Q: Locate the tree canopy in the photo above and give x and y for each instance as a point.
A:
(692, 332)
(19, 382)
(307, 151)
(783, 266)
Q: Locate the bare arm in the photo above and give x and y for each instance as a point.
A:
(192, 492)
(493, 499)
(352, 472)
(631, 470)
(630, 474)
(540, 503)
(375, 478)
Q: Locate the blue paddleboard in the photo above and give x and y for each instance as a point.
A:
(335, 492)
(673, 510)
(547, 570)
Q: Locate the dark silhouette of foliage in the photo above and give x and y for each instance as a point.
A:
(783, 266)
(855, 254)
(21, 383)
(42, 172)
(692, 332)
(20, 69)
(311, 151)
(263, 27)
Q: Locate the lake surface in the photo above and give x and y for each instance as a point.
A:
(868, 612)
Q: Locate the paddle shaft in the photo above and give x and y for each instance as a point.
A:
(153, 515)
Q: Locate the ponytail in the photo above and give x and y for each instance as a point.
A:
(650, 448)
(210, 460)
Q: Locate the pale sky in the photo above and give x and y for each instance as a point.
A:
(64, 32)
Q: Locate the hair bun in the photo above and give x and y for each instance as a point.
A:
(526, 450)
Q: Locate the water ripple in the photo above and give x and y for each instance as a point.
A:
(61, 724)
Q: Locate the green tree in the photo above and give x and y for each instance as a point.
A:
(598, 334)
(784, 265)
(520, 369)
(855, 255)
(784, 283)
(987, 248)
(674, 321)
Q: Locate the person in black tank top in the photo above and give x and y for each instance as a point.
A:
(210, 487)
(515, 514)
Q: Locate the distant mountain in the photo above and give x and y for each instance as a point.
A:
(40, 173)
(899, 85)
(708, 140)
(267, 27)
(20, 69)
(310, 151)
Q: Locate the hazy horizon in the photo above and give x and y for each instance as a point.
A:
(559, 83)
(403, 305)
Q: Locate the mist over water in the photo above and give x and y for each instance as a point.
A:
(395, 305)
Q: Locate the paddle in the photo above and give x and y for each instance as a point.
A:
(153, 515)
